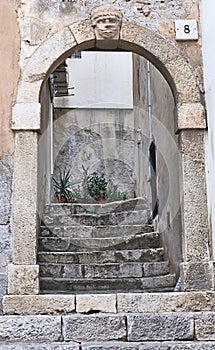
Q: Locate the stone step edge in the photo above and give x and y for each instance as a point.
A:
(109, 345)
(117, 303)
(138, 201)
(160, 268)
(66, 235)
(159, 249)
(100, 215)
(131, 235)
(151, 254)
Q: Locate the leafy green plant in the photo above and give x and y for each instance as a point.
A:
(85, 193)
(96, 186)
(62, 188)
(113, 194)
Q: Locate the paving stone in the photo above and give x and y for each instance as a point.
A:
(124, 218)
(97, 302)
(38, 346)
(150, 284)
(191, 346)
(205, 326)
(91, 328)
(111, 346)
(94, 231)
(39, 304)
(91, 271)
(146, 240)
(30, 328)
(129, 204)
(165, 302)
(108, 256)
(61, 270)
(160, 327)
(156, 268)
(113, 270)
(154, 346)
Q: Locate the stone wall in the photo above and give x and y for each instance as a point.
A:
(110, 141)
(39, 19)
(168, 167)
(9, 75)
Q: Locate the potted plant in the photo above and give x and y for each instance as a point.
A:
(63, 193)
(97, 186)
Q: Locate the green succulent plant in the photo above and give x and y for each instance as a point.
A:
(62, 188)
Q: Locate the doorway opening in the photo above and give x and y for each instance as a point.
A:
(100, 111)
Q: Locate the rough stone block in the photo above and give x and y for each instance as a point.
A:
(186, 84)
(191, 116)
(38, 304)
(96, 302)
(197, 276)
(26, 116)
(155, 44)
(111, 270)
(38, 346)
(165, 302)
(154, 346)
(191, 346)
(160, 327)
(155, 268)
(91, 328)
(48, 52)
(3, 289)
(196, 247)
(205, 326)
(25, 198)
(3, 284)
(27, 91)
(111, 346)
(5, 247)
(30, 328)
(5, 189)
(23, 279)
(83, 32)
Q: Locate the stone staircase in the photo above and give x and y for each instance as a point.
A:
(93, 248)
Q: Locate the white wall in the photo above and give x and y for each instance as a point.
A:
(100, 80)
(208, 42)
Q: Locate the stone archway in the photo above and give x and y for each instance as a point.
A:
(197, 269)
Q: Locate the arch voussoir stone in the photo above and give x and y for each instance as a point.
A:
(166, 57)
(49, 54)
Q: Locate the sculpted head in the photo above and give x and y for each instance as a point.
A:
(106, 21)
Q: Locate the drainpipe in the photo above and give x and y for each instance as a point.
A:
(51, 139)
(149, 101)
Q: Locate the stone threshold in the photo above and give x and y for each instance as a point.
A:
(64, 304)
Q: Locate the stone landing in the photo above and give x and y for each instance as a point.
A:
(138, 321)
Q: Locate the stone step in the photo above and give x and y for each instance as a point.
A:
(94, 231)
(138, 217)
(145, 284)
(144, 241)
(77, 208)
(102, 257)
(113, 270)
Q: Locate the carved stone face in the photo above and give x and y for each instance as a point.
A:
(107, 23)
(107, 27)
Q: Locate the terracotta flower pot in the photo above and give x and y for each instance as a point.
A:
(101, 200)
